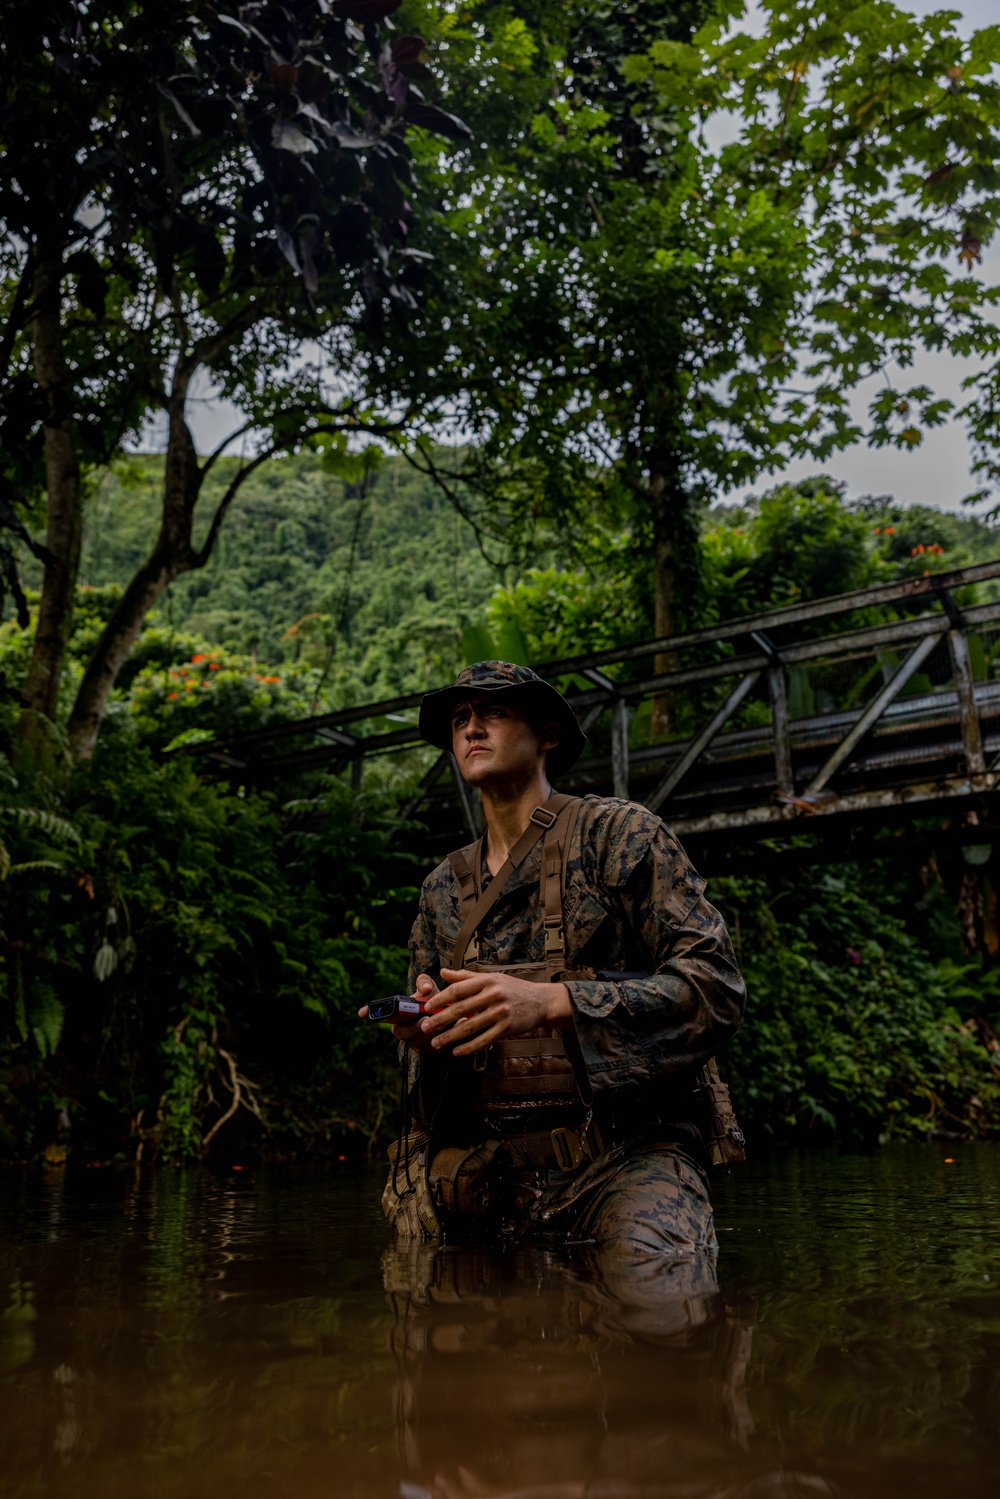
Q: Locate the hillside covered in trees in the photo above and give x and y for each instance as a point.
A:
(374, 584)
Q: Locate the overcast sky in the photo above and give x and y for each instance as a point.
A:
(936, 473)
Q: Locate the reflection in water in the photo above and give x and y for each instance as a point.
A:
(529, 1376)
(179, 1336)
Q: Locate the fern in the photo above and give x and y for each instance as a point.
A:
(32, 866)
(59, 828)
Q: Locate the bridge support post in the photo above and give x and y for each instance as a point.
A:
(777, 689)
(972, 737)
(721, 717)
(620, 714)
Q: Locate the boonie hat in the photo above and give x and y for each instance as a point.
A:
(504, 678)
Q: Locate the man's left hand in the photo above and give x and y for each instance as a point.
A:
(477, 1009)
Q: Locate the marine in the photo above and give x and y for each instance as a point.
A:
(576, 988)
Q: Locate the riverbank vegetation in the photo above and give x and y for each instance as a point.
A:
(501, 318)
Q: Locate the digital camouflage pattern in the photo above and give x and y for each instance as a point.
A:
(656, 1203)
(633, 902)
(496, 674)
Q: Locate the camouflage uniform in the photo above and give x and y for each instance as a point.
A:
(632, 902)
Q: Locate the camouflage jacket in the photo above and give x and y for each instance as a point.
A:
(633, 902)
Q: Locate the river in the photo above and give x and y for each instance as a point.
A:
(188, 1336)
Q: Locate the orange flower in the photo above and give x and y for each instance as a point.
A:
(172, 694)
(214, 666)
(890, 530)
(878, 530)
(199, 657)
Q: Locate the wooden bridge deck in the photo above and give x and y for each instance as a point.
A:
(803, 719)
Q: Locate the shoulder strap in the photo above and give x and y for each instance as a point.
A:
(542, 820)
(555, 857)
(465, 872)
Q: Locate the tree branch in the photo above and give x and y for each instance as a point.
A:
(220, 448)
(201, 556)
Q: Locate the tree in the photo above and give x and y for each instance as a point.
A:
(650, 318)
(193, 192)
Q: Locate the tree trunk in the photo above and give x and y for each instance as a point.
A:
(172, 555)
(677, 558)
(666, 502)
(117, 639)
(65, 509)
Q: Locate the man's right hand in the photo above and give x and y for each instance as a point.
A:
(411, 1032)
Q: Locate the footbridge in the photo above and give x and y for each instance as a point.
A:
(820, 718)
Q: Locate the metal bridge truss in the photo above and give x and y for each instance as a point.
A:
(788, 721)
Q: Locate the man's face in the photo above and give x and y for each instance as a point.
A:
(494, 740)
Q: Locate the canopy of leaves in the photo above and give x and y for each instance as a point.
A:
(654, 317)
(207, 185)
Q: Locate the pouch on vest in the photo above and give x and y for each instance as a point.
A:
(717, 1118)
(462, 1181)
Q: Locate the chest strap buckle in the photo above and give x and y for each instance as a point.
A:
(555, 940)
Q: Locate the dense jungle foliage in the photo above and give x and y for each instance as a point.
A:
(181, 962)
(498, 240)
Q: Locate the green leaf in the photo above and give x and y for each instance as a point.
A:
(478, 645)
(46, 1015)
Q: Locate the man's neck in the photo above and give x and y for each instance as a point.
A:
(508, 811)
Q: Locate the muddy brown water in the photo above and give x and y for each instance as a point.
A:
(175, 1336)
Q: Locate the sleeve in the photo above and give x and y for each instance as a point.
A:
(426, 1074)
(637, 1033)
(424, 956)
